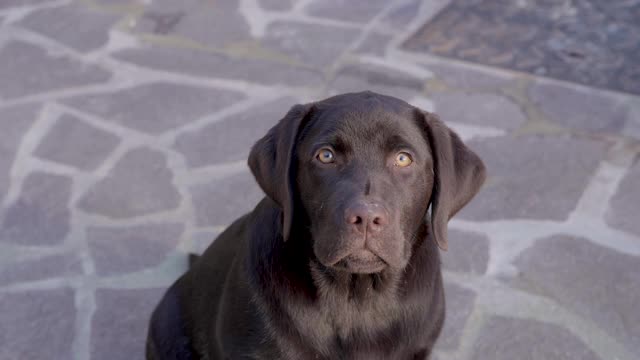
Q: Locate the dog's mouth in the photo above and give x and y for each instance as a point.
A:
(361, 262)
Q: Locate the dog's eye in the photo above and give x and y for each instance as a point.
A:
(325, 156)
(403, 159)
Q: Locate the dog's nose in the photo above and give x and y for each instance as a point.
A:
(367, 217)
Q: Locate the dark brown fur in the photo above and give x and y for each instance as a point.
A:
(289, 280)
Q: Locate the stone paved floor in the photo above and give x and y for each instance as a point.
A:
(125, 126)
(591, 42)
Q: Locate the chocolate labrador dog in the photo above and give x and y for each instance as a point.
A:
(340, 260)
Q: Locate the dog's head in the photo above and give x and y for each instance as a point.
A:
(360, 171)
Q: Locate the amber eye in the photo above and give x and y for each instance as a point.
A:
(325, 156)
(403, 159)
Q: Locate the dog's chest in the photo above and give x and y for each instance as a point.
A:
(377, 330)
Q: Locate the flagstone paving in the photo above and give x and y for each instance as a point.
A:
(125, 130)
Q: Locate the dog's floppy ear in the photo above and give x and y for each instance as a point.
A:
(458, 174)
(270, 162)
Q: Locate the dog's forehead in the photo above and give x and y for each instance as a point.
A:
(363, 99)
(366, 117)
(364, 105)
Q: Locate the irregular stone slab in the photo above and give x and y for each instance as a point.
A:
(40, 215)
(309, 44)
(374, 44)
(632, 127)
(123, 250)
(37, 324)
(200, 63)
(583, 41)
(384, 80)
(460, 303)
(479, 109)
(160, 22)
(117, 2)
(402, 15)
(231, 139)
(155, 108)
(466, 77)
(28, 70)
(19, 3)
(73, 142)
(556, 266)
(468, 252)
(533, 177)
(507, 339)
(222, 201)
(276, 5)
(586, 109)
(139, 184)
(209, 23)
(359, 11)
(54, 266)
(119, 326)
(14, 122)
(76, 26)
(623, 211)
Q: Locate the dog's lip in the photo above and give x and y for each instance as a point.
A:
(362, 261)
(363, 255)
